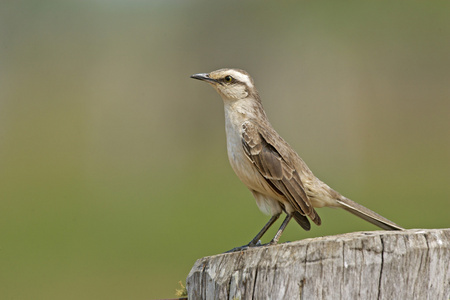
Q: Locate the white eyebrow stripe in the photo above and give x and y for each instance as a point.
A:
(241, 77)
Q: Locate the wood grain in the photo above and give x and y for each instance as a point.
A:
(411, 264)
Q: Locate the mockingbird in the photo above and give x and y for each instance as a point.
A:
(275, 174)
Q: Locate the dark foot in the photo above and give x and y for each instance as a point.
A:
(271, 243)
(245, 247)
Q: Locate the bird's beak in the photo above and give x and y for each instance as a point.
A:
(203, 77)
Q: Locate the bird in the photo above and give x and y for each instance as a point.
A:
(278, 178)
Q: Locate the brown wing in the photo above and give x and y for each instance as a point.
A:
(279, 172)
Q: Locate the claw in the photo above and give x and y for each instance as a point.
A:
(246, 247)
(241, 248)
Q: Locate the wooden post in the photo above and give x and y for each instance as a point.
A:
(411, 264)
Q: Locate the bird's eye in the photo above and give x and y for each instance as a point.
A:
(228, 78)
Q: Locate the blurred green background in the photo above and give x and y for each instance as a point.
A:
(114, 177)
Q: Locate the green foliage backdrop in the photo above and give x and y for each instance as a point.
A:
(113, 170)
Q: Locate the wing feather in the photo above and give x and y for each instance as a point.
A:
(279, 172)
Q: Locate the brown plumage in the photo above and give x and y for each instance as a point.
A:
(275, 174)
(280, 174)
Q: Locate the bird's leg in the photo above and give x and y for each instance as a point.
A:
(255, 241)
(266, 227)
(280, 231)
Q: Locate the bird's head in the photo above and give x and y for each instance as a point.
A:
(231, 84)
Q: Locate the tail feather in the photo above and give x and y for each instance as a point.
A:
(367, 214)
(302, 220)
(314, 216)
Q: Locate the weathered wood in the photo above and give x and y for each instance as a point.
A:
(411, 264)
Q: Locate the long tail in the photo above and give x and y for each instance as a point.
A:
(367, 214)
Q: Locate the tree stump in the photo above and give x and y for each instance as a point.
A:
(411, 264)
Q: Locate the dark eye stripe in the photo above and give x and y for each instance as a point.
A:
(233, 80)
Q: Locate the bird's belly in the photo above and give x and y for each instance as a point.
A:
(246, 172)
(244, 168)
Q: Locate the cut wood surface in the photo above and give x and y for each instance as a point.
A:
(411, 264)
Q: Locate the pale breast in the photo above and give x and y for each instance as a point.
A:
(240, 163)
